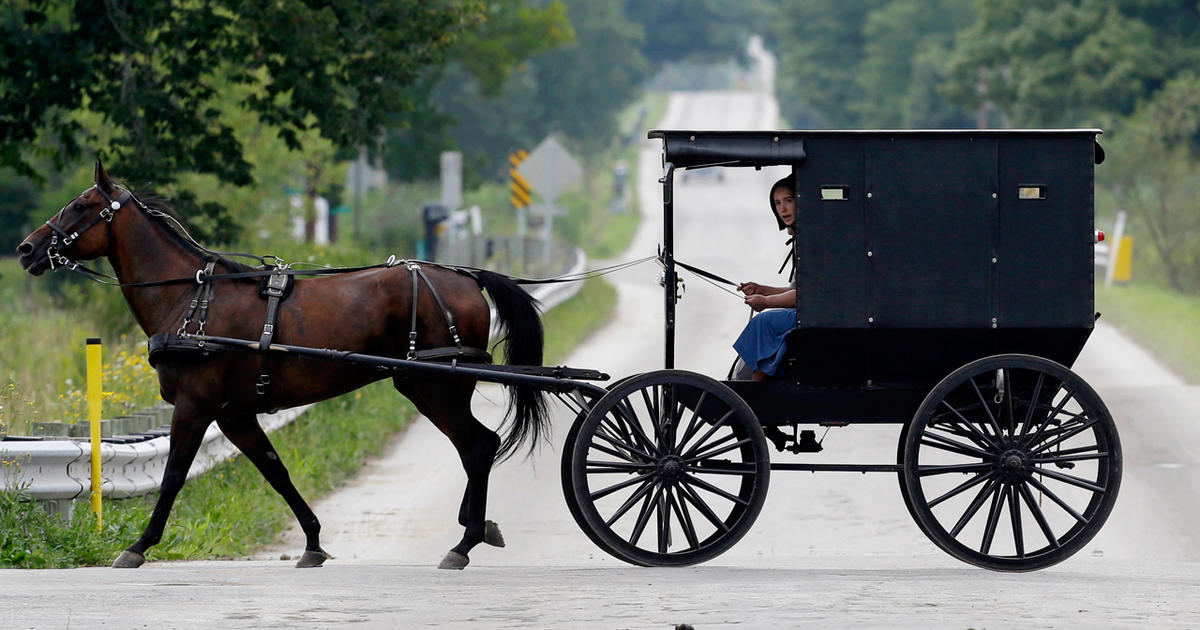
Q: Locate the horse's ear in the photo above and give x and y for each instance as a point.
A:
(101, 178)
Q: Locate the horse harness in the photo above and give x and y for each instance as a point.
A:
(275, 289)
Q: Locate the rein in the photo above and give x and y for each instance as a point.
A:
(277, 266)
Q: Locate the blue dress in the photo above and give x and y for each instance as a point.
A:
(761, 344)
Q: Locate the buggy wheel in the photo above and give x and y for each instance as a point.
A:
(1012, 463)
(670, 468)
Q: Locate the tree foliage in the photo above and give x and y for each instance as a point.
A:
(1076, 63)
(484, 100)
(698, 30)
(1153, 173)
(875, 63)
(584, 66)
(151, 71)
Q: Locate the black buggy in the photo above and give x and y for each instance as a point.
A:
(945, 285)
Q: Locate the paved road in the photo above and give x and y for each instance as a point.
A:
(828, 550)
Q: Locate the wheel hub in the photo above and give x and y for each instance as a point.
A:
(670, 468)
(1012, 463)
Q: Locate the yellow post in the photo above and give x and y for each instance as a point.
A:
(95, 391)
(1124, 271)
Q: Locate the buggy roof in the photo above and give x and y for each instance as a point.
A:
(696, 149)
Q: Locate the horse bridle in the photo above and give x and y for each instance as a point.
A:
(53, 251)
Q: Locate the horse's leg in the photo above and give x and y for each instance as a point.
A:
(491, 531)
(246, 434)
(187, 433)
(448, 406)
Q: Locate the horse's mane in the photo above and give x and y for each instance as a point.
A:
(157, 206)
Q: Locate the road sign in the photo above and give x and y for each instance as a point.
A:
(550, 169)
(520, 192)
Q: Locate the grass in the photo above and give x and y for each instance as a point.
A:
(1165, 322)
(42, 365)
(573, 321)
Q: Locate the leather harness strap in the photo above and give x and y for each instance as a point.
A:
(276, 290)
(276, 287)
(419, 274)
(198, 308)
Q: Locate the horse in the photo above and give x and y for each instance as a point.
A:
(371, 311)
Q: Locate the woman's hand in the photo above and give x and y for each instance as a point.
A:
(751, 288)
(756, 302)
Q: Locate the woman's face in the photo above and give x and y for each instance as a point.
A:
(784, 201)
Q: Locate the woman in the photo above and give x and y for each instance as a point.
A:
(761, 346)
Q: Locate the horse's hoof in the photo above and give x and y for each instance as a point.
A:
(492, 535)
(312, 559)
(129, 560)
(454, 560)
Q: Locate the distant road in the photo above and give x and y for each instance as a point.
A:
(833, 550)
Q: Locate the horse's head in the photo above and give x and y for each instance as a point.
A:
(74, 233)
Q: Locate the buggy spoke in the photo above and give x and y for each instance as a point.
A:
(594, 466)
(664, 523)
(1057, 409)
(973, 508)
(625, 456)
(691, 496)
(1055, 498)
(696, 452)
(600, 494)
(1038, 515)
(693, 426)
(652, 407)
(1057, 458)
(644, 515)
(954, 468)
(624, 414)
(721, 451)
(707, 434)
(962, 487)
(692, 479)
(641, 492)
(685, 519)
(989, 532)
(748, 469)
(955, 429)
(983, 403)
(1014, 511)
(1066, 435)
(1033, 403)
(1067, 479)
(946, 444)
(971, 425)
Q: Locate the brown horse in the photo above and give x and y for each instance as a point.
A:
(367, 311)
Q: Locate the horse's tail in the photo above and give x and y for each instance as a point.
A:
(520, 326)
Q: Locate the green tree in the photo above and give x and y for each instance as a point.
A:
(903, 45)
(1152, 172)
(583, 86)
(1054, 63)
(18, 199)
(148, 70)
(821, 47)
(699, 30)
(483, 102)
(581, 65)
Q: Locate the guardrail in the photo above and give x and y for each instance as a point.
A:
(58, 472)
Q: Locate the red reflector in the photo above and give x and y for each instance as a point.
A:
(1099, 235)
